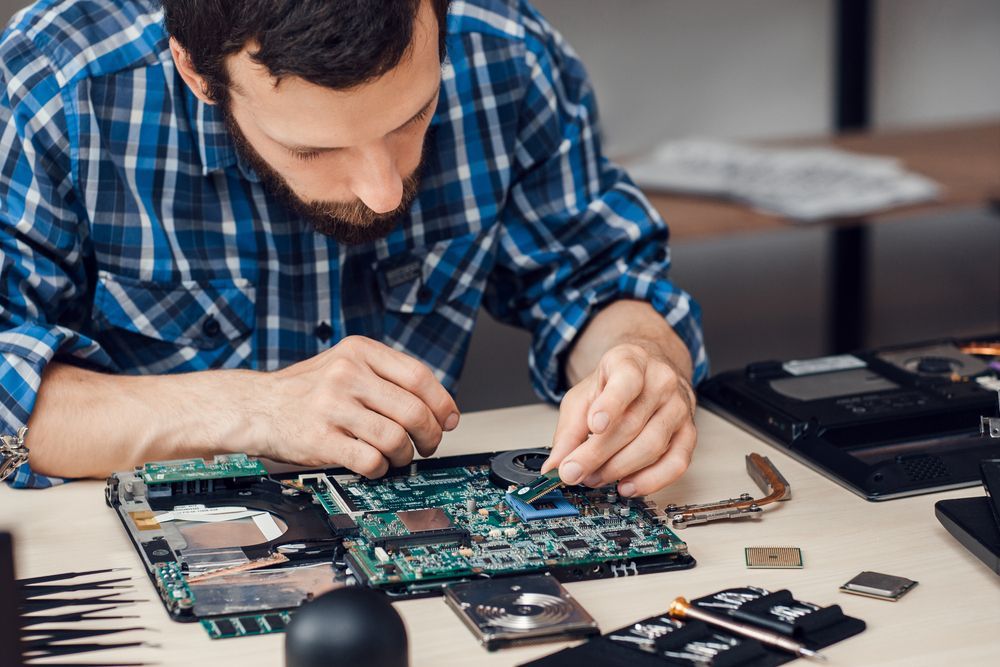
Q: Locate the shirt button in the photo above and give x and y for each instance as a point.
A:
(211, 327)
(323, 331)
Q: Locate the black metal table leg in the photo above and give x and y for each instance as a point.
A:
(848, 293)
(848, 282)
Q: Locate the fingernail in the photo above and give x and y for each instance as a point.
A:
(592, 480)
(571, 472)
(600, 422)
(451, 422)
(627, 489)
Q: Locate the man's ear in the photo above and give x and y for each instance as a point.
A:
(194, 81)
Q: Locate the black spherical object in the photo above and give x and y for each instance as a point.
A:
(346, 627)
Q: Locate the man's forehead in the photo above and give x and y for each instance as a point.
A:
(294, 111)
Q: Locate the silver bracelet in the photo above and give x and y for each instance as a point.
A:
(13, 453)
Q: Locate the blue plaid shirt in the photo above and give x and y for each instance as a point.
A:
(133, 240)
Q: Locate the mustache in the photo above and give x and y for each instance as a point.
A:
(349, 223)
(357, 213)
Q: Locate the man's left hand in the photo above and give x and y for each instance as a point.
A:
(631, 421)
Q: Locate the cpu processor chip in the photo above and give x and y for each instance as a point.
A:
(773, 557)
(879, 586)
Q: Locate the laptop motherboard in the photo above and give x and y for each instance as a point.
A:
(236, 547)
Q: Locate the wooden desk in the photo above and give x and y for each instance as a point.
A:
(964, 159)
(951, 617)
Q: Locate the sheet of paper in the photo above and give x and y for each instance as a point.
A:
(800, 183)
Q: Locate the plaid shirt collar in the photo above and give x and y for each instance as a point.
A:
(215, 146)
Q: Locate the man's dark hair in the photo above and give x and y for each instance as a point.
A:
(337, 44)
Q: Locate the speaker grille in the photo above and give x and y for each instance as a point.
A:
(923, 468)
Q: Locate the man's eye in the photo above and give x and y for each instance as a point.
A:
(423, 114)
(305, 156)
(414, 122)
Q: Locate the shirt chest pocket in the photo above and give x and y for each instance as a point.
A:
(431, 297)
(146, 324)
(453, 272)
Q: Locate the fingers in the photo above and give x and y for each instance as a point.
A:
(639, 414)
(588, 457)
(597, 406)
(410, 374)
(626, 377)
(403, 409)
(571, 430)
(389, 438)
(359, 403)
(359, 456)
(667, 469)
(647, 447)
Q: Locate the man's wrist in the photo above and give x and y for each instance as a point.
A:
(210, 412)
(626, 322)
(243, 413)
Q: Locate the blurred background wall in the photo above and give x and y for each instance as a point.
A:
(664, 69)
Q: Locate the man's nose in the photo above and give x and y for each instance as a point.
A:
(376, 181)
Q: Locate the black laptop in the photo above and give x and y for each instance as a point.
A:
(885, 423)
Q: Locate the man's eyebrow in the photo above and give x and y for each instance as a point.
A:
(298, 148)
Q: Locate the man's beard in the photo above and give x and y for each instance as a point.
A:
(350, 223)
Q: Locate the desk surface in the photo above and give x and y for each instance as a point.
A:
(950, 617)
(964, 159)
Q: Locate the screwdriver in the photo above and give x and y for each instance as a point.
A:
(681, 608)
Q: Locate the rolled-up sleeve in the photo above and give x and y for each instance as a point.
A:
(576, 233)
(42, 276)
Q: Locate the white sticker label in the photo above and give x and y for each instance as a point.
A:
(206, 514)
(267, 526)
(839, 362)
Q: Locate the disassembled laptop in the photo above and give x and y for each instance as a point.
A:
(227, 543)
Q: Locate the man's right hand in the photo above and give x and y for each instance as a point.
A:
(359, 404)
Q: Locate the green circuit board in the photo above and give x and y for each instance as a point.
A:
(419, 530)
(229, 466)
(246, 626)
(408, 534)
(173, 588)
